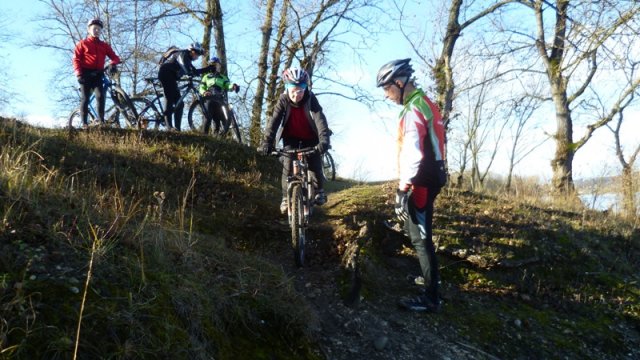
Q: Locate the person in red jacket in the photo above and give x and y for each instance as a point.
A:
(88, 64)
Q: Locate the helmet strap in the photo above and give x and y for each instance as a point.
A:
(404, 85)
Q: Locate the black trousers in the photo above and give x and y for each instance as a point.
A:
(171, 96)
(92, 82)
(420, 229)
(213, 105)
(315, 164)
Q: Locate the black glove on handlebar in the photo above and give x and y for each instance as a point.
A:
(322, 147)
(265, 148)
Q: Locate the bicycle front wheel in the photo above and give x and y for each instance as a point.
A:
(328, 167)
(233, 121)
(125, 107)
(75, 120)
(298, 228)
(197, 116)
(148, 114)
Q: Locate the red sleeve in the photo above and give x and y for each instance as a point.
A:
(78, 55)
(115, 60)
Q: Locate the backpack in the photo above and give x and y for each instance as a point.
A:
(167, 54)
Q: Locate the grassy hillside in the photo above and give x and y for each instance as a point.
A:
(164, 245)
(156, 220)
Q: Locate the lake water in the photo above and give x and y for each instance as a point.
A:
(603, 201)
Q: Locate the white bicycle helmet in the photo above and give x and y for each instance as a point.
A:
(393, 70)
(197, 47)
(295, 76)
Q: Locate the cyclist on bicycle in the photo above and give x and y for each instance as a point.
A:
(88, 64)
(303, 124)
(177, 65)
(211, 87)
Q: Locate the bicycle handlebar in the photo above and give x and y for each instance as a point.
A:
(303, 151)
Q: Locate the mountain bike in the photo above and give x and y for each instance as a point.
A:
(150, 110)
(328, 166)
(300, 198)
(197, 119)
(120, 104)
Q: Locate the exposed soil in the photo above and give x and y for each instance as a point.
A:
(370, 327)
(363, 322)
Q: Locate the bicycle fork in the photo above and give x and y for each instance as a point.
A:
(297, 179)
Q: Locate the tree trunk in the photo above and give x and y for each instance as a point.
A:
(562, 163)
(215, 11)
(442, 72)
(275, 60)
(629, 208)
(255, 131)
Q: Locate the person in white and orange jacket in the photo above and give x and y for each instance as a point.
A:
(88, 64)
(421, 155)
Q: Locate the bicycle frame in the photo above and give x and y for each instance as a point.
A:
(107, 90)
(300, 176)
(185, 89)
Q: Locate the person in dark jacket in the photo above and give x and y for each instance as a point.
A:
(177, 65)
(88, 64)
(299, 121)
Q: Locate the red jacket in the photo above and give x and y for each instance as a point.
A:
(90, 54)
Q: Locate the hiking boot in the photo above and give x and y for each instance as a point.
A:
(284, 206)
(321, 198)
(419, 304)
(415, 280)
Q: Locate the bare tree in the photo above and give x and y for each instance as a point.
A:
(255, 132)
(5, 92)
(459, 19)
(523, 109)
(579, 33)
(629, 207)
(307, 31)
(276, 55)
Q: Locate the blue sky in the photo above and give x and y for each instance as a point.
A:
(364, 144)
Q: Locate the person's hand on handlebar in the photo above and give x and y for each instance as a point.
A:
(323, 147)
(265, 148)
(112, 68)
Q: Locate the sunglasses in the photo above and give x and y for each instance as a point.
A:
(296, 90)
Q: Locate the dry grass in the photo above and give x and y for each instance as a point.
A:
(125, 215)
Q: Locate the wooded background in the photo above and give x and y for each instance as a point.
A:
(499, 70)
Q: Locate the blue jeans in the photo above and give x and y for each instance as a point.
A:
(419, 228)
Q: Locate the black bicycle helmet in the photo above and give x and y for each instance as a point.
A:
(295, 76)
(393, 70)
(197, 48)
(95, 22)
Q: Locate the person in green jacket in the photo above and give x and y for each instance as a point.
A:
(213, 87)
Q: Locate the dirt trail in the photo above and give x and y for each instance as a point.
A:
(374, 328)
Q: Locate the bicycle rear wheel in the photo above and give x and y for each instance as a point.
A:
(148, 114)
(298, 228)
(75, 120)
(328, 167)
